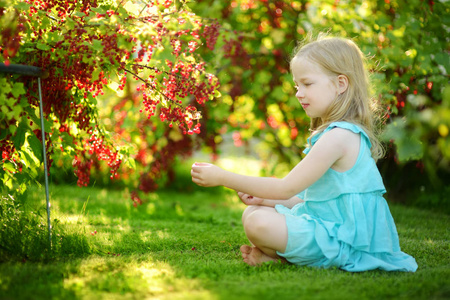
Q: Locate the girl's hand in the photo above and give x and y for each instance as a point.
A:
(204, 174)
(250, 200)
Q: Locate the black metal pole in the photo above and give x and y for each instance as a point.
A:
(36, 72)
(44, 151)
(20, 69)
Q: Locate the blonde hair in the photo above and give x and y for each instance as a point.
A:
(339, 56)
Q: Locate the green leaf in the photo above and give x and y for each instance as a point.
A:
(442, 59)
(131, 163)
(9, 167)
(70, 23)
(17, 110)
(29, 162)
(446, 96)
(97, 45)
(55, 36)
(5, 86)
(409, 148)
(122, 11)
(47, 124)
(18, 89)
(12, 129)
(19, 137)
(45, 22)
(26, 158)
(22, 5)
(7, 181)
(11, 102)
(394, 130)
(79, 14)
(36, 146)
(96, 74)
(165, 53)
(99, 10)
(42, 46)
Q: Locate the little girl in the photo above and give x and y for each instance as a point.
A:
(329, 210)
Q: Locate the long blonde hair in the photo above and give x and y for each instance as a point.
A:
(339, 56)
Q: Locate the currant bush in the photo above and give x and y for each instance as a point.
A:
(85, 48)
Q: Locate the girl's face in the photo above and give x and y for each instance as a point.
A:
(315, 89)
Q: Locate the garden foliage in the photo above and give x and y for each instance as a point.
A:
(85, 49)
(406, 43)
(143, 63)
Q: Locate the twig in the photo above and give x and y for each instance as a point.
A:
(156, 90)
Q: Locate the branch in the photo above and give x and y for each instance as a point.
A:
(156, 90)
(156, 69)
(118, 6)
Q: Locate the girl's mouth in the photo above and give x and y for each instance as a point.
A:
(305, 105)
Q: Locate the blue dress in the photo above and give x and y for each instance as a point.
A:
(345, 221)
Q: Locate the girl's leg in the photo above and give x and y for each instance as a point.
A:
(266, 230)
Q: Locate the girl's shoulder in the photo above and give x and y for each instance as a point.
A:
(355, 128)
(347, 129)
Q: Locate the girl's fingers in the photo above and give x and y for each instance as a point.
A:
(245, 197)
(195, 177)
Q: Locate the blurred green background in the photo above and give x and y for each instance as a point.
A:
(406, 43)
(257, 114)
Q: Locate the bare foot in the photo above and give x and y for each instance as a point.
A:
(254, 257)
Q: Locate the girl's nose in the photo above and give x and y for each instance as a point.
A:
(299, 93)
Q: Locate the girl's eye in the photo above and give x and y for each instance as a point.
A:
(303, 84)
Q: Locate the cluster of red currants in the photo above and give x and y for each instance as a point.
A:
(95, 148)
(10, 38)
(136, 199)
(7, 150)
(82, 169)
(211, 33)
(96, 145)
(235, 51)
(184, 80)
(63, 8)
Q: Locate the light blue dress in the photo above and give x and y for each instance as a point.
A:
(345, 221)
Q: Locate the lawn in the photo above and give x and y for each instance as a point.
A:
(183, 243)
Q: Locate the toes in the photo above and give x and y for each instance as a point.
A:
(245, 249)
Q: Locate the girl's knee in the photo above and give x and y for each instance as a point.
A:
(255, 221)
(266, 228)
(248, 211)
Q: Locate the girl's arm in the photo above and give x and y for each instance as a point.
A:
(327, 151)
(250, 200)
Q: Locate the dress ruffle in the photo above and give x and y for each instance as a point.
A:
(355, 233)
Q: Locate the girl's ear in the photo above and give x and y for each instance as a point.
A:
(342, 83)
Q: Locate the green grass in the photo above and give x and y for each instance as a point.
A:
(185, 245)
